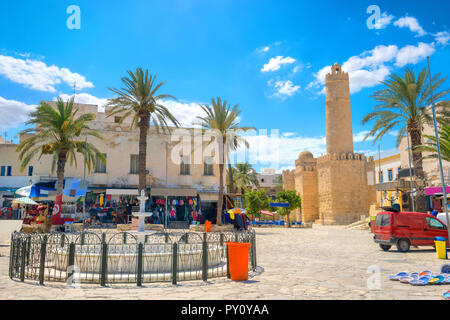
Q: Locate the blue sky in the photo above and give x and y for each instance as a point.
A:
(267, 56)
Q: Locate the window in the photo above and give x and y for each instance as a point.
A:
(435, 224)
(100, 167)
(9, 171)
(117, 119)
(2, 171)
(390, 176)
(380, 177)
(30, 171)
(208, 166)
(383, 220)
(134, 163)
(185, 167)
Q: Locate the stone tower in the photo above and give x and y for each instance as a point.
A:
(338, 112)
(336, 188)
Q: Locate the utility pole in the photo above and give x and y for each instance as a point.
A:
(436, 134)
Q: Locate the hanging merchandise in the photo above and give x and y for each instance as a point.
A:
(181, 202)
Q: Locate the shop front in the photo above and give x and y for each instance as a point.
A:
(435, 198)
(182, 204)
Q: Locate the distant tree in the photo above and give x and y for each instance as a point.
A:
(245, 176)
(256, 200)
(294, 200)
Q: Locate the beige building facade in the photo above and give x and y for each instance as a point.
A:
(338, 187)
(187, 173)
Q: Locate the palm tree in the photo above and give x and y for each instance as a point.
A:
(138, 99)
(224, 121)
(431, 145)
(59, 132)
(403, 105)
(246, 176)
(234, 142)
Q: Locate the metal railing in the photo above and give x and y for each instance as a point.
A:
(120, 257)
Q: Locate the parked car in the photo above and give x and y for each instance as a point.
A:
(406, 229)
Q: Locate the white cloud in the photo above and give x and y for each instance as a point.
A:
(359, 137)
(185, 112)
(86, 98)
(413, 54)
(373, 66)
(275, 63)
(384, 21)
(281, 150)
(297, 69)
(365, 70)
(442, 37)
(37, 75)
(13, 113)
(283, 88)
(412, 24)
(263, 49)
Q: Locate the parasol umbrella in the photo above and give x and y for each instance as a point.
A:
(268, 213)
(25, 200)
(233, 211)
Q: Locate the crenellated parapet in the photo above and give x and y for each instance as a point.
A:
(336, 74)
(342, 156)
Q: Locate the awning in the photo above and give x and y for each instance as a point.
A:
(25, 200)
(209, 196)
(173, 192)
(433, 190)
(122, 192)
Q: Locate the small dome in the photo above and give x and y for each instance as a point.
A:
(305, 155)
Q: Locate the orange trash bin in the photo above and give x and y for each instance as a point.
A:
(208, 226)
(238, 260)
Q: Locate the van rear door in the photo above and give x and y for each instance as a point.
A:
(383, 229)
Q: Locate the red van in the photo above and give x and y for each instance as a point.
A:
(405, 229)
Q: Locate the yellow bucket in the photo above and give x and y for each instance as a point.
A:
(441, 250)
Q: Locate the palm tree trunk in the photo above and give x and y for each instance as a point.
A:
(221, 167)
(61, 164)
(231, 174)
(143, 132)
(416, 140)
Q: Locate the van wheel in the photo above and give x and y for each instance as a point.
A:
(385, 247)
(403, 245)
